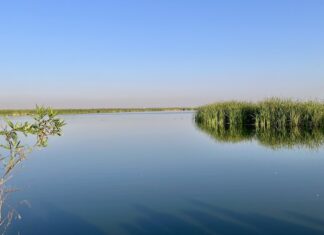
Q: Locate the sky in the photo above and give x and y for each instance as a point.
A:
(154, 53)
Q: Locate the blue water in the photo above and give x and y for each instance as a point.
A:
(156, 173)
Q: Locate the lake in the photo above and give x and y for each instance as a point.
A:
(157, 173)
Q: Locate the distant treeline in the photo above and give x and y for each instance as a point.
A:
(26, 112)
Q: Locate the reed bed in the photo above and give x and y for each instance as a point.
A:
(269, 114)
(274, 122)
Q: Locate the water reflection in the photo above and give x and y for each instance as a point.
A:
(205, 218)
(311, 138)
(46, 218)
(90, 183)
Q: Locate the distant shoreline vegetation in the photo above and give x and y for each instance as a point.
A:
(274, 122)
(27, 112)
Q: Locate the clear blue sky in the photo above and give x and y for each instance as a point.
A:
(74, 53)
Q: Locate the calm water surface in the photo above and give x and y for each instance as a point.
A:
(156, 173)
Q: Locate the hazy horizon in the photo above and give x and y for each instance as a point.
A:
(109, 54)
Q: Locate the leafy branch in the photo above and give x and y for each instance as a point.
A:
(45, 123)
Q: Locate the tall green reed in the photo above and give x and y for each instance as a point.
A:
(272, 113)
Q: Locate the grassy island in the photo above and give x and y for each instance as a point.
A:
(275, 123)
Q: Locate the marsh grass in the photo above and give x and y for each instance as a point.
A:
(226, 114)
(274, 123)
(269, 114)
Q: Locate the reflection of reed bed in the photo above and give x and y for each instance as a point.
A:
(231, 135)
(274, 123)
(273, 138)
(289, 138)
